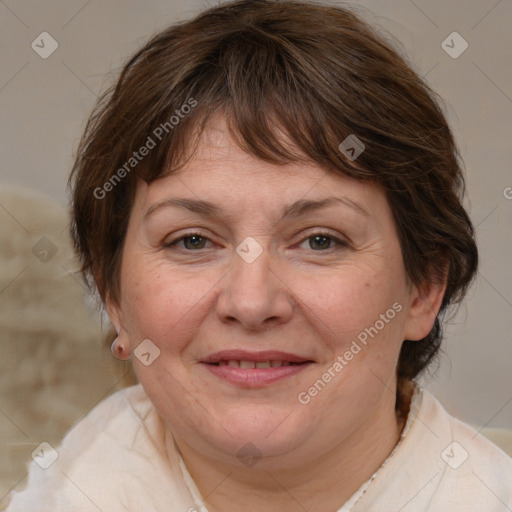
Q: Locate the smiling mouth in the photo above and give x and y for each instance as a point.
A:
(250, 369)
(256, 364)
(254, 359)
(255, 374)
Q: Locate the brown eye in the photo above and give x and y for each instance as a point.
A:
(193, 242)
(323, 242)
(319, 242)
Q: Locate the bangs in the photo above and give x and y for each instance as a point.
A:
(275, 109)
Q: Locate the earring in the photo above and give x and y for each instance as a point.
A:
(119, 351)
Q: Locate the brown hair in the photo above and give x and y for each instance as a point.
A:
(313, 72)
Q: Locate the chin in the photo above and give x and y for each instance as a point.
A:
(258, 435)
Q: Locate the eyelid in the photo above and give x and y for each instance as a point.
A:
(339, 237)
(338, 241)
(174, 241)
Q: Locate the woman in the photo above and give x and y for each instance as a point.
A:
(269, 205)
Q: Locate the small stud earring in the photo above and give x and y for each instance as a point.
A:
(119, 351)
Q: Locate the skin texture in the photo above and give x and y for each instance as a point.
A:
(295, 297)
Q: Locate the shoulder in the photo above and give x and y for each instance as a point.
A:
(474, 443)
(121, 414)
(118, 419)
(97, 456)
(440, 465)
(473, 470)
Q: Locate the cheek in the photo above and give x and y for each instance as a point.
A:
(350, 301)
(361, 322)
(164, 304)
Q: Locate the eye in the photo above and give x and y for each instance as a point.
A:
(191, 242)
(323, 241)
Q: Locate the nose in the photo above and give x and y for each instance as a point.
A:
(253, 295)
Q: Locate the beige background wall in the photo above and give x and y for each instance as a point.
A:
(44, 104)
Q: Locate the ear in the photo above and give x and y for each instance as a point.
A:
(116, 316)
(425, 303)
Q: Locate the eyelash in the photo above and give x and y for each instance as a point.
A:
(340, 243)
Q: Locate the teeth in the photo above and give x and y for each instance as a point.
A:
(253, 364)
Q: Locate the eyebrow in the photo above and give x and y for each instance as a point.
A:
(296, 209)
(303, 206)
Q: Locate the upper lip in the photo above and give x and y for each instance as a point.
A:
(244, 355)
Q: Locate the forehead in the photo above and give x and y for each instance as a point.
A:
(218, 158)
(219, 171)
(216, 145)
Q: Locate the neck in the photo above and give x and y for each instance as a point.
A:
(323, 484)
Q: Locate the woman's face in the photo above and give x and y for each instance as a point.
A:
(293, 270)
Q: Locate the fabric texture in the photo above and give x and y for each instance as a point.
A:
(118, 459)
(51, 336)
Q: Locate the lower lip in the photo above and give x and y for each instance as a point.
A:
(255, 377)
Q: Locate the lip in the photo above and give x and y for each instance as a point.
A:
(254, 377)
(244, 355)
